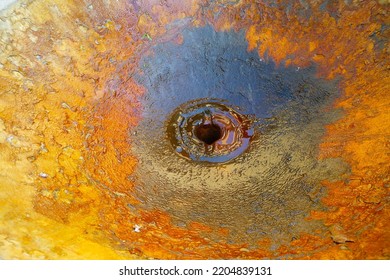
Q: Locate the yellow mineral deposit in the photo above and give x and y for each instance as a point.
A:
(69, 99)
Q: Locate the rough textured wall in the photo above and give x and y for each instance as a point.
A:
(85, 88)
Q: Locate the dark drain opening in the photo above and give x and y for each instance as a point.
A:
(208, 133)
(208, 130)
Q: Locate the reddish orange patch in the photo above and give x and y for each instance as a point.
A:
(69, 95)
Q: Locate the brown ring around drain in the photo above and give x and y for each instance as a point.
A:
(209, 131)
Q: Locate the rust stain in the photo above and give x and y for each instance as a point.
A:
(68, 101)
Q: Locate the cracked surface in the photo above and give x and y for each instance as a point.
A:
(69, 100)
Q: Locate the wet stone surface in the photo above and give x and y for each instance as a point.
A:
(266, 191)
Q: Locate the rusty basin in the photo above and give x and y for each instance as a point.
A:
(194, 129)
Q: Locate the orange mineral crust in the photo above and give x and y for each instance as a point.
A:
(71, 102)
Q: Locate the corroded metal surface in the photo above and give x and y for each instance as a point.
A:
(87, 90)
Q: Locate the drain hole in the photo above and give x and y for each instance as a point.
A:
(208, 133)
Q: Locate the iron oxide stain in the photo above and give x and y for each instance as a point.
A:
(266, 191)
(69, 100)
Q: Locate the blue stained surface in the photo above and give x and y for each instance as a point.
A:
(266, 191)
(213, 64)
